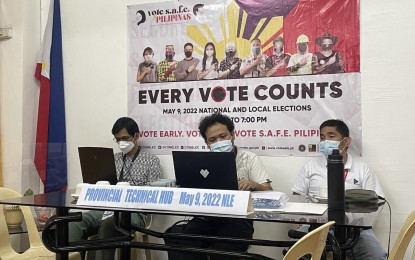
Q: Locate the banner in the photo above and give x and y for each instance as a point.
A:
(277, 68)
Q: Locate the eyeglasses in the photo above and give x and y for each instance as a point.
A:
(124, 138)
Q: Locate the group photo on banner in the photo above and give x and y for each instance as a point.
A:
(277, 68)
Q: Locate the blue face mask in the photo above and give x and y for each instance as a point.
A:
(222, 146)
(327, 147)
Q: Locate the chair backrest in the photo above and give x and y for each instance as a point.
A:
(32, 230)
(405, 235)
(313, 243)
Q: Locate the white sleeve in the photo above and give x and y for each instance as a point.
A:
(257, 171)
(302, 182)
(370, 182)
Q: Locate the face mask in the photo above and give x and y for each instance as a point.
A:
(222, 146)
(327, 47)
(230, 54)
(148, 57)
(277, 50)
(327, 147)
(209, 53)
(302, 47)
(169, 56)
(188, 54)
(256, 50)
(125, 146)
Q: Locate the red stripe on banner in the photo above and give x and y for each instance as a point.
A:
(41, 149)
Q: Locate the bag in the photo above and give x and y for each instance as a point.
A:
(361, 201)
(177, 227)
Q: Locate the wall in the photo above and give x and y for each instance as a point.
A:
(95, 54)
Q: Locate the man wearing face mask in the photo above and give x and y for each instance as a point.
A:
(230, 65)
(147, 70)
(300, 63)
(327, 61)
(167, 68)
(132, 165)
(186, 69)
(254, 65)
(334, 134)
(279, 61)
(218, 133)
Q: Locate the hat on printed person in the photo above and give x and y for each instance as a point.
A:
(302, 38)
(326, 35)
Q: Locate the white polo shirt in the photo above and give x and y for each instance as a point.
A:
(250, 167)
(314, 174)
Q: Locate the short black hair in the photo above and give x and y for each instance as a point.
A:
(340, 126)
(148, 49)
(125, 122)
(188, 44)
(196, 8)
(208, 121)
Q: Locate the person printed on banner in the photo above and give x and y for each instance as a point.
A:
(208, 68)
(147, 70)
(334, 134)
(186, 69)
(218, 133)
(167, 67)
(133, 165)
(230, 65)
(279, 61)
(254, 65)
(300, 62)
(327, 60)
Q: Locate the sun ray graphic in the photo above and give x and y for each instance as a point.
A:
(229, 26)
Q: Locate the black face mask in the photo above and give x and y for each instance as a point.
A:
(188, 54)
(277, 50)
(302, 47)
(230, 54)
(327, 47)
(169, 56)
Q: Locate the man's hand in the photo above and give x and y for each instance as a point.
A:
(191, 67)
(247, 185)
(146, 70)
(258, 60)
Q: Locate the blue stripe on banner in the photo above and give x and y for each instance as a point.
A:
(56, 173)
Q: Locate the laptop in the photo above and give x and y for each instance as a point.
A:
(97, 164)
(205, 170)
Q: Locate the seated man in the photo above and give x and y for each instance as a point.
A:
(133, 165)
(334, 134)
(218, 132)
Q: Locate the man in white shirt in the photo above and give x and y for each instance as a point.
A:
(334, 134)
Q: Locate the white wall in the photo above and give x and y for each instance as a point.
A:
(95, 54)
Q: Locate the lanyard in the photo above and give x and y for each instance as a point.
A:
(346, 171)
(129, 167)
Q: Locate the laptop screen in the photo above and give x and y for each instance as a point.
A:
(97, 164)
(205, 170)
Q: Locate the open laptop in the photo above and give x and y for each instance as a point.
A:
(97, 164)
(205, 170)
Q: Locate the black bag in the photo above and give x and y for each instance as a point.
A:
(177, 227)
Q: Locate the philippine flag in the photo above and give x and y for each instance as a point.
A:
(50, 153)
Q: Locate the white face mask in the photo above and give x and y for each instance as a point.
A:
(222, 146)
(209, 53)
(126, 146)
(148, 57)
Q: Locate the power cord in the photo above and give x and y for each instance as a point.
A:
(390, 221)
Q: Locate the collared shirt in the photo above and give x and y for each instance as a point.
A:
(163, 67)
(314, 174)
(250, 167)
(295, 59)
(144, 169)
(259, 70)
(226, 64)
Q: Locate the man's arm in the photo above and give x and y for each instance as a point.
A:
(253, 186)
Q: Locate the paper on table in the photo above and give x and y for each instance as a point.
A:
(297, 207)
